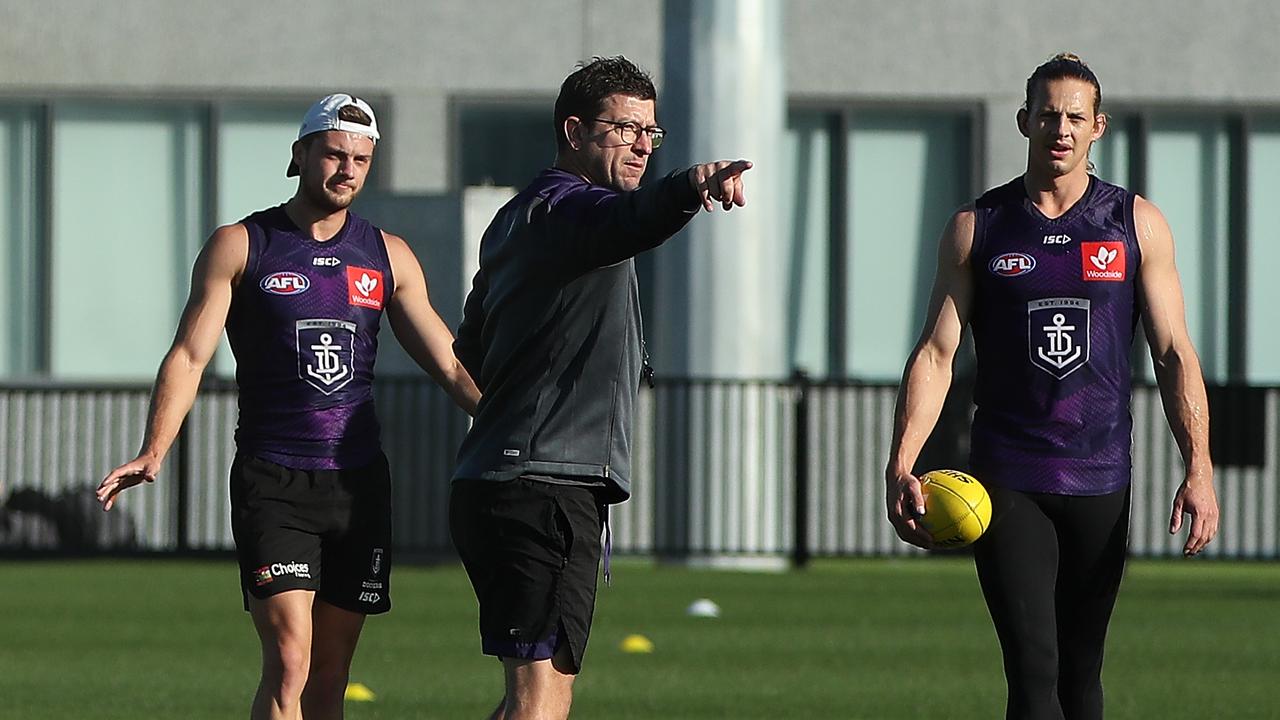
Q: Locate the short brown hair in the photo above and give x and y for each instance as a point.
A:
(583, 93)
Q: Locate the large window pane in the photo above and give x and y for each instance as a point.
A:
(807, 201)
(127, 221)
(254, 146)
(908, 172)
(1110, 155)
(1188, 180)
(1263, 359)
(504, 145)
(21, 273)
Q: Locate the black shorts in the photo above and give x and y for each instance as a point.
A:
(323, 530)
(532, 551)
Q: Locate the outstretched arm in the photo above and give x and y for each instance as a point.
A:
(1178, 374)
(216, 271)
(599, 226)
(927, 377)
(421, 331)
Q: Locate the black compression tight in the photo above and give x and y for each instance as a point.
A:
(1050, 568)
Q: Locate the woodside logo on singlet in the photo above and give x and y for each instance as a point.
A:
(364, 287)
(1102, 261)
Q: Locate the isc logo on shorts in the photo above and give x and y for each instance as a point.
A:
(370, 597)
(364, 287)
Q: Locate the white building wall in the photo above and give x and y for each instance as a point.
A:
(420, 55)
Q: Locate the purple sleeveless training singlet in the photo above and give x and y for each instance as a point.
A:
(303, 326)
(1053, 316)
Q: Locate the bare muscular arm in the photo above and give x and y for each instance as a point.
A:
(927, 376)
(217, 270)
(1178, 374)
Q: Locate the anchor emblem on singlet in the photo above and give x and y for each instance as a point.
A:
(1062, 350)
(326, 353)
(328, 368)
(1058, 334)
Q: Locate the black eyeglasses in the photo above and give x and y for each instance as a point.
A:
(630, 131)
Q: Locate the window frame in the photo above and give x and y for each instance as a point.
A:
(841, 114)
(458, 104)
(1137, 119)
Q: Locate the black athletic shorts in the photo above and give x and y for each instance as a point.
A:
(322, 530)
(532, 551)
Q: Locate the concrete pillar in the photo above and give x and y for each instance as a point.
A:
(720, 287)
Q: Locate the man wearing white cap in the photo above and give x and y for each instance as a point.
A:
(301, 289)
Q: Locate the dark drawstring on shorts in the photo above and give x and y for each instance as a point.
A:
(608, 545)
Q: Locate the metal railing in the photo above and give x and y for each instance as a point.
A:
(740, 468)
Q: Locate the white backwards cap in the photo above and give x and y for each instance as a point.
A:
(324, 116)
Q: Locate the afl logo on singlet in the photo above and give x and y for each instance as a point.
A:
(1012, 264)
(285, 283)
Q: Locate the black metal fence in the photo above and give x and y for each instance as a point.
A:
(743, 469)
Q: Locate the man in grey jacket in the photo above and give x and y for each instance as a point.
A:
(551, 333)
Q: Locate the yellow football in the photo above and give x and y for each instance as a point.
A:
(957, 509)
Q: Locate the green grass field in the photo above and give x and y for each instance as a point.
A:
(848, 639)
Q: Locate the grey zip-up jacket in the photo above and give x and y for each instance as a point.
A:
(551, 329)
